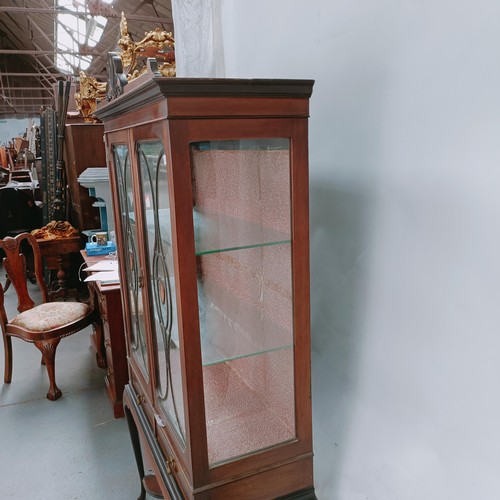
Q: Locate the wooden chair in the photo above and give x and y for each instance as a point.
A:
(44, 324)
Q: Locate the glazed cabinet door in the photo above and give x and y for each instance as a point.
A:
(129, 248)
(161, 285)
(147, 254)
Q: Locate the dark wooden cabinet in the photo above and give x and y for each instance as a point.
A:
(84, 148)
(210, 191)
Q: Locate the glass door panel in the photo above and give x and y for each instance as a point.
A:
(158, 244)
(138, 348)
(241, 214)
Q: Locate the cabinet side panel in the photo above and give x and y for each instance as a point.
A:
(301, 281)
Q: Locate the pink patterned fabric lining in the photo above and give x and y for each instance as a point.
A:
(51, 315)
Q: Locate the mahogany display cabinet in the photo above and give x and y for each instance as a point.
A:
(210, 190)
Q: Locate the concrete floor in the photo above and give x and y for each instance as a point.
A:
(72, 448)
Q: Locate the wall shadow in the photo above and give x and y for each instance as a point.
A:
(340, 239)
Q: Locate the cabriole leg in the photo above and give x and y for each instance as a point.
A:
(48, 350)
(7, 343)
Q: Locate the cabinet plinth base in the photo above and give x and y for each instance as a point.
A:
(163, 484)
(307, 494)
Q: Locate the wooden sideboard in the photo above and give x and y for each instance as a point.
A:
(108, 338)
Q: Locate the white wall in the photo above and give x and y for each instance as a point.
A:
(405, 177)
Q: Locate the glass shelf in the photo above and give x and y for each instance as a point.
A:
(231, 328)
(215, 232)
(251, 335)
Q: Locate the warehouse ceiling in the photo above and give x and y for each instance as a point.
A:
(42, 41)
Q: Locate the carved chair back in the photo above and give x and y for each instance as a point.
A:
(15, 266)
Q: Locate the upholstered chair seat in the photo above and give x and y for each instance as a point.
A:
(50, 316)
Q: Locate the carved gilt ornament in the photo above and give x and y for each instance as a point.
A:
(132, 55)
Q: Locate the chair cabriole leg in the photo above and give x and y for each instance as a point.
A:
(48, 350)
(7, 343)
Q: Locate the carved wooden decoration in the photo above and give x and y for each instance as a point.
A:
(116, 78)
(124, 66)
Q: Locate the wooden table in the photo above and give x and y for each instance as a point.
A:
(56, 254)
(108, 338)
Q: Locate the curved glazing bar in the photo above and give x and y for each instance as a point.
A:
(129, 230)
(158, 238)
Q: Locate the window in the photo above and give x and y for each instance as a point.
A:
(76, 33)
